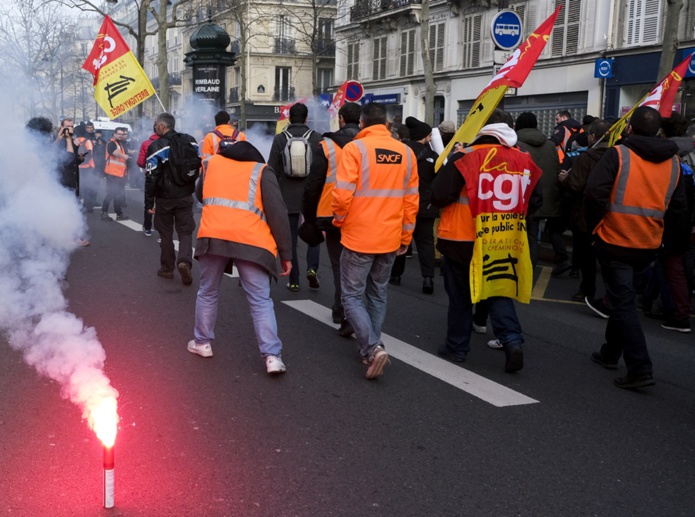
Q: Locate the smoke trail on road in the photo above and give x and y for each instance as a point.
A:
(40, 225)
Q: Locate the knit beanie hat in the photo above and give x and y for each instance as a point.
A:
(418, 129)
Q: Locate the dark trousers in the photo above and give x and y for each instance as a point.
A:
(334, 249)
(624, 334)
(175, 213)
(88, 187)
(584, 252)
(312, 252)
(115, 191)
(423, 235)
(147, 220)
(678, 285)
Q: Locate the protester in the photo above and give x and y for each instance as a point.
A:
(244, 223)
(115, 169)
(375, 203)
(632, 195)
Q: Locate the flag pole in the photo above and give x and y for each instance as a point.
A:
(160, 100)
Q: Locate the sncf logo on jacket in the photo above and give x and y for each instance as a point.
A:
(388, 156)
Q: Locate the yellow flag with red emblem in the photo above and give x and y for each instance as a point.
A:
(120, 83)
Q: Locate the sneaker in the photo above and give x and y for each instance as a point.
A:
(561, 268)
(598, 307)
(597, 357)
(677, 325)
(148, 233)
(495, 344)
(377, 360)
(345, 329)
(480, 329)
(578, 297)
(313, 279)
(515, 359)
(122, 217)
(293, 286)
(165, 274)
(203, 350)
(185, 272)
(105, 217)
(274, 365)
(631, 383)
(448, 354)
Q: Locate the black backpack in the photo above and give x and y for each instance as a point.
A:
(184, 162)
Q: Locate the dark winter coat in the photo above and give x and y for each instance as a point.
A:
(426, 158)
(544, 155)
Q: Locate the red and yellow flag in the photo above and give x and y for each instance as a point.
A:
(284, 119)
(120, 83)
(513, 73)
(660, 98)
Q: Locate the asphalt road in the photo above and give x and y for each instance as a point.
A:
(218, 437)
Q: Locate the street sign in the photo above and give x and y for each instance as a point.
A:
(500, 57)
(353, 91)
(603, 68)
(506, 30)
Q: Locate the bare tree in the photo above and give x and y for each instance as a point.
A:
(670, 42)
(430, 87)
(34, 39)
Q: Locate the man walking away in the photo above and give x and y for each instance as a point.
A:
(172, 202)
(375, 203)
(317, 205)
(633, 193)
(224, 130)
(292, 187)
(244, 223)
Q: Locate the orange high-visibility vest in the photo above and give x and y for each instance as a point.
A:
(233, 204)
(89, 146)
(639, 199)
(332, 152)
(562, 148)
(456, 222)
(116, 162)
(375, 199)
(211, 143)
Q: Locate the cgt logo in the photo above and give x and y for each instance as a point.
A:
(385, 156)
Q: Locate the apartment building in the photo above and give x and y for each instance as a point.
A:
(378, 43)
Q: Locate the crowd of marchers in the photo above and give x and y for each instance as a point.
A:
(372, 186)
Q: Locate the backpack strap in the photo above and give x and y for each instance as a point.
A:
(235, 134)
(219, 134)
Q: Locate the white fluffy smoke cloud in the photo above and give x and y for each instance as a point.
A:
(40, 225)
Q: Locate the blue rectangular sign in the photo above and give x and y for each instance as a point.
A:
(603, 68)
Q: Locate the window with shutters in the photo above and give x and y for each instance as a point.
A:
(688, 13)
(437, 46)
(407, 52)
(379, 58)
(526, 24)
(324, 79)
(472, 42)
(642, 22)
(566, 29)
(353, 60)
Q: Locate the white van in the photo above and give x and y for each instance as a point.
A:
(107, 127)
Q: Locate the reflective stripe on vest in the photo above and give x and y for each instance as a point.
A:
(638, 201)
(87, 164)
(233, 204)
(116, 162)
(332, 151)
(249, 205)
(366, 191)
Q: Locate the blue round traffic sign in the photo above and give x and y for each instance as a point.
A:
(506, 30)
(353, 91)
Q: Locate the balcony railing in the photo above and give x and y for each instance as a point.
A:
(283, 94)
(174, 80)
(285, 46)
(368, 8)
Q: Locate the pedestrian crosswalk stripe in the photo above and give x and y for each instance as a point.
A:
(452, 374)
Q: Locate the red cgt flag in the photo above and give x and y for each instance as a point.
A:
(519, 65)
(662, 96)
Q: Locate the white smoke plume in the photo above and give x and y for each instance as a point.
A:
(40, 226)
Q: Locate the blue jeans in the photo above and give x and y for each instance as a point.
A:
(505, 324)
(364, 275)
(255, 281)
(624, 334)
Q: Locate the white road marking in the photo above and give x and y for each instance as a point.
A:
(463, 379)
(129, 223)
